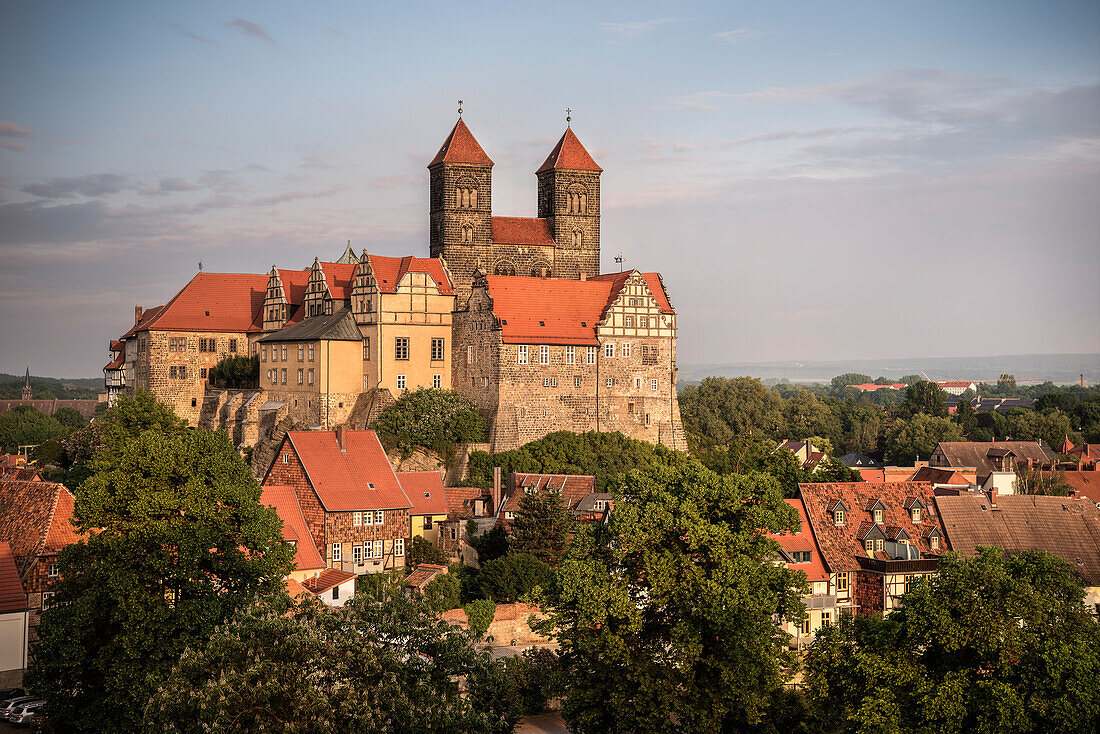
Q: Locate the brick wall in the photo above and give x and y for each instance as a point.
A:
(339, 528)
(165, 350)
(868, 592)
(291, 474)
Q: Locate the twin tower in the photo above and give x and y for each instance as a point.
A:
(563, 241)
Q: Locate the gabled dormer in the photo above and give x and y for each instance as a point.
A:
(872, 536)
(916, 507)
(934, 538)
(317, 300)
(364, 291)
(837, 509)
(276, 309)
(876, 509)
(1002, 459)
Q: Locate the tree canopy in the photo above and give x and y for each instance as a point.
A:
(541, 527)
(432, 418)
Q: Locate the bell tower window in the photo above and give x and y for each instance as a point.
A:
(467, 233)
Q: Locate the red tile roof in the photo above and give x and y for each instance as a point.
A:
(569, 155)
(652, 280)
(425, 490)
(573, 487)
(940, 475)
(295, 589)
(326, 580)
(116, 363)
(1084, 483)
(840, 546)
(146, 316)
(388, 271)
(555, 310)
(461, 147)
(34, 517)
(460, 500)
(12, 597)
(424, 574)
(802, 541)
(285, 502)
(359, 478)
(522, 231)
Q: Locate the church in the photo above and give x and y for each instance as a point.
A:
(511, 312)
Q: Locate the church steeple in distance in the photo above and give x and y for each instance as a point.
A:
(28, 394)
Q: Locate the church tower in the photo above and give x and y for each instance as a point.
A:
(569, 197)
(460, 202)
(28, 394)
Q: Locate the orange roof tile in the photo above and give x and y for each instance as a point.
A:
(327, 579)
(522, 231)
(802, 541)
(359, 478)
(295, 589)
(12, 596)
(573, 487)
(425, 490)
(652, 280)
(146, 316)
(424, 574)
(1083, 483)
(570, 155)
(213, 302)
(460, 500)
(388, 271)
(461, 147)
(34, 517)
(285, 502)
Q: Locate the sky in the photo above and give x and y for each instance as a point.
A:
(814, 181)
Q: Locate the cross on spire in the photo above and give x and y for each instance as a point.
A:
(460, 108)
(568, 116)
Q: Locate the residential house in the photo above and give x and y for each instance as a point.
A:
(429, 503)
(1066, 527)
(805, 452)
(873, 387)
(284, 500)
(14, 614)
(464, 504)
(573, 489)
(800, 553)
(957, 387)
(874, 538)
(424, 574)
(946, 476)
(332, 586)
(1087, 455)
(1001, 405)
(995, 462)
(855, 460)
(354, 507)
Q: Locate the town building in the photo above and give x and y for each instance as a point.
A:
(806, 453)
(957, 387)
(354, 508)
(874, 538)
(574, 489)
(799, 552)
(429, 503)
(1083, 484)
(995, 463)
(14, 617)
(1087, 455)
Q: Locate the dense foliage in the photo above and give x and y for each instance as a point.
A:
(512, 577)
(236, 371)
(666, 616)
(387, 665)
(48, 388)
(479, 615)
(430, 418)
(444, 592)
(541, 527)
(178, 541)
(988, 645)
(24, 425)
(424, 551)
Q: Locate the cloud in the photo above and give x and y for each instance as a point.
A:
(11, 145)
(825, 132)
(96, 184)
(249, 28)
(188, 34)
(738, 35)
(334, 31)
(12, 130)
(170, 185)
(635, 28)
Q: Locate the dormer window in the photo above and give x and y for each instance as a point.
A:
(877, 514)
(934, 542)
(880, 544)
(869, 546)
(914, 514)
(838, 517)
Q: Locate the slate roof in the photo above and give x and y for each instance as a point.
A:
(34, 518)
(461, 147)
(840, 546)
(338, 326)
(573, 487)
(554, 310)
(569, 155)
(388, 272)
(1067, 528)
(855, 460)
(285, 502)
(803, 540)
(343, 479)
(425, 491)
(977, 453)
(522, 231)
(326, 580)
(12, 596)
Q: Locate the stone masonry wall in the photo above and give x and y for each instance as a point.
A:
(165, 350)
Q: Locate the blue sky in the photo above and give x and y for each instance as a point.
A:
(815, 181)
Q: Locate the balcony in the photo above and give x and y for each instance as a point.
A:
(819, 601)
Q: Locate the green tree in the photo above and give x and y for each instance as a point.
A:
(1031, 481)
(511, 577)
(927, 398)
(907, 440)
(988, 645)
(178, 541)
(387, 666)
(490, 545)
(1050, 427)
(750, 454)
(25, 425)
(807, 415)
(850, 378)
(666, 616)
(443, 592)
(863, 430)
(479, 615)
(541, 527)
(70, 418)
(533, 679)
(424, 551)
(431, 418)
(721, 408)
(236, 371)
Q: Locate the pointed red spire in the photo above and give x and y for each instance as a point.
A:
(569, 154)
(461, 147)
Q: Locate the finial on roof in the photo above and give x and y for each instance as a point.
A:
(619, 261)
(460, 108)
(200, 266)
(568, 117)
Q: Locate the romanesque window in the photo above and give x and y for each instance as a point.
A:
(504, 268)
(401, 347)
(576, 238)
(541, 271)
(437, 349)
(466, 196)
(467, 233)
(577, 201)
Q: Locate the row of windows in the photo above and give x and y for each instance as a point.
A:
(650, 353)
(402, 382)
(177, 372)
(284, 349)
(362, 551)
(370, 517)
(552, 381)
(305, 377)
(643, 321)
(206, 344)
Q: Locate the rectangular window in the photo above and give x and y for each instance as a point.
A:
(366, 349)
(301, 376)
(378, 549)
(233, 346)
(553, 382)
(336, 550)
(399, 547)
(826, 619)
(286, 458)
(842, 581)
(544, 354)
(427, 522)
(263, 352)
(437, 349)
(54, 571)
(173, 372)
(934, 542)
(379, 517)
(284, 352)
(576, 380)
(357, 518)
(609, 381)
(401, 382)
(624, 350)
(650, 354)
(356, 554)
(653, 383)
(368, 517)
(629, 321)
(202, 373)
(437, 381)
(301, 352)
(806, 624)
(401, 347)
(609, 350)
(284, 375)
(592, 352)
(183, 372)
(570, 355)
(310, 350)
(916, 514)
(47, 600)
(309, 376)
(643, 322)
(470, 354)
(546, 382)
(879, 544)
(869, 546)
(522, 352)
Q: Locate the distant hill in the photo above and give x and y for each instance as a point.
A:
(47, 388)
(1061, 369)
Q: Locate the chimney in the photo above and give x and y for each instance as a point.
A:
(496, 489)
(584, 277)
(137, 317)
(1082, 379)
(340, 431)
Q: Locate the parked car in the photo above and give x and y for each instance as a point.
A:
(6, 693)
(27, 713)
(8, 706)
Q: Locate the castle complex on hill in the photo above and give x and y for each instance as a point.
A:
(511, 312)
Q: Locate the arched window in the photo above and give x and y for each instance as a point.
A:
(467, 233)
(577, 200)
(577, 238)
(466, 194)
(504, 268)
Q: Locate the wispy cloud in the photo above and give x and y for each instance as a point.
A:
(189, 34)
(249, 28)
(96, 184)
(635, 28)
(12, 130)
(737, 35)
(334, 31)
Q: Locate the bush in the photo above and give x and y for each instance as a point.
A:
(423, 551)
(512, 577)
(490, 545)
(479, 615)
(442, 593)
(431, 418)
(238, 372)
(533, 678)
(24, 425)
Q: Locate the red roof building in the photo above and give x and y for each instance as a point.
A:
(799, 552)
(574, 489)
(332, 586)
(570, 155)
(307, 561)
(461, 147)
(429, 503)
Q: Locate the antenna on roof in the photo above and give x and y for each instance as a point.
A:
(619, 261)
(460, 108)
(200, 266)
(568, 116)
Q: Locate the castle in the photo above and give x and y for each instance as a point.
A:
(511, 312)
